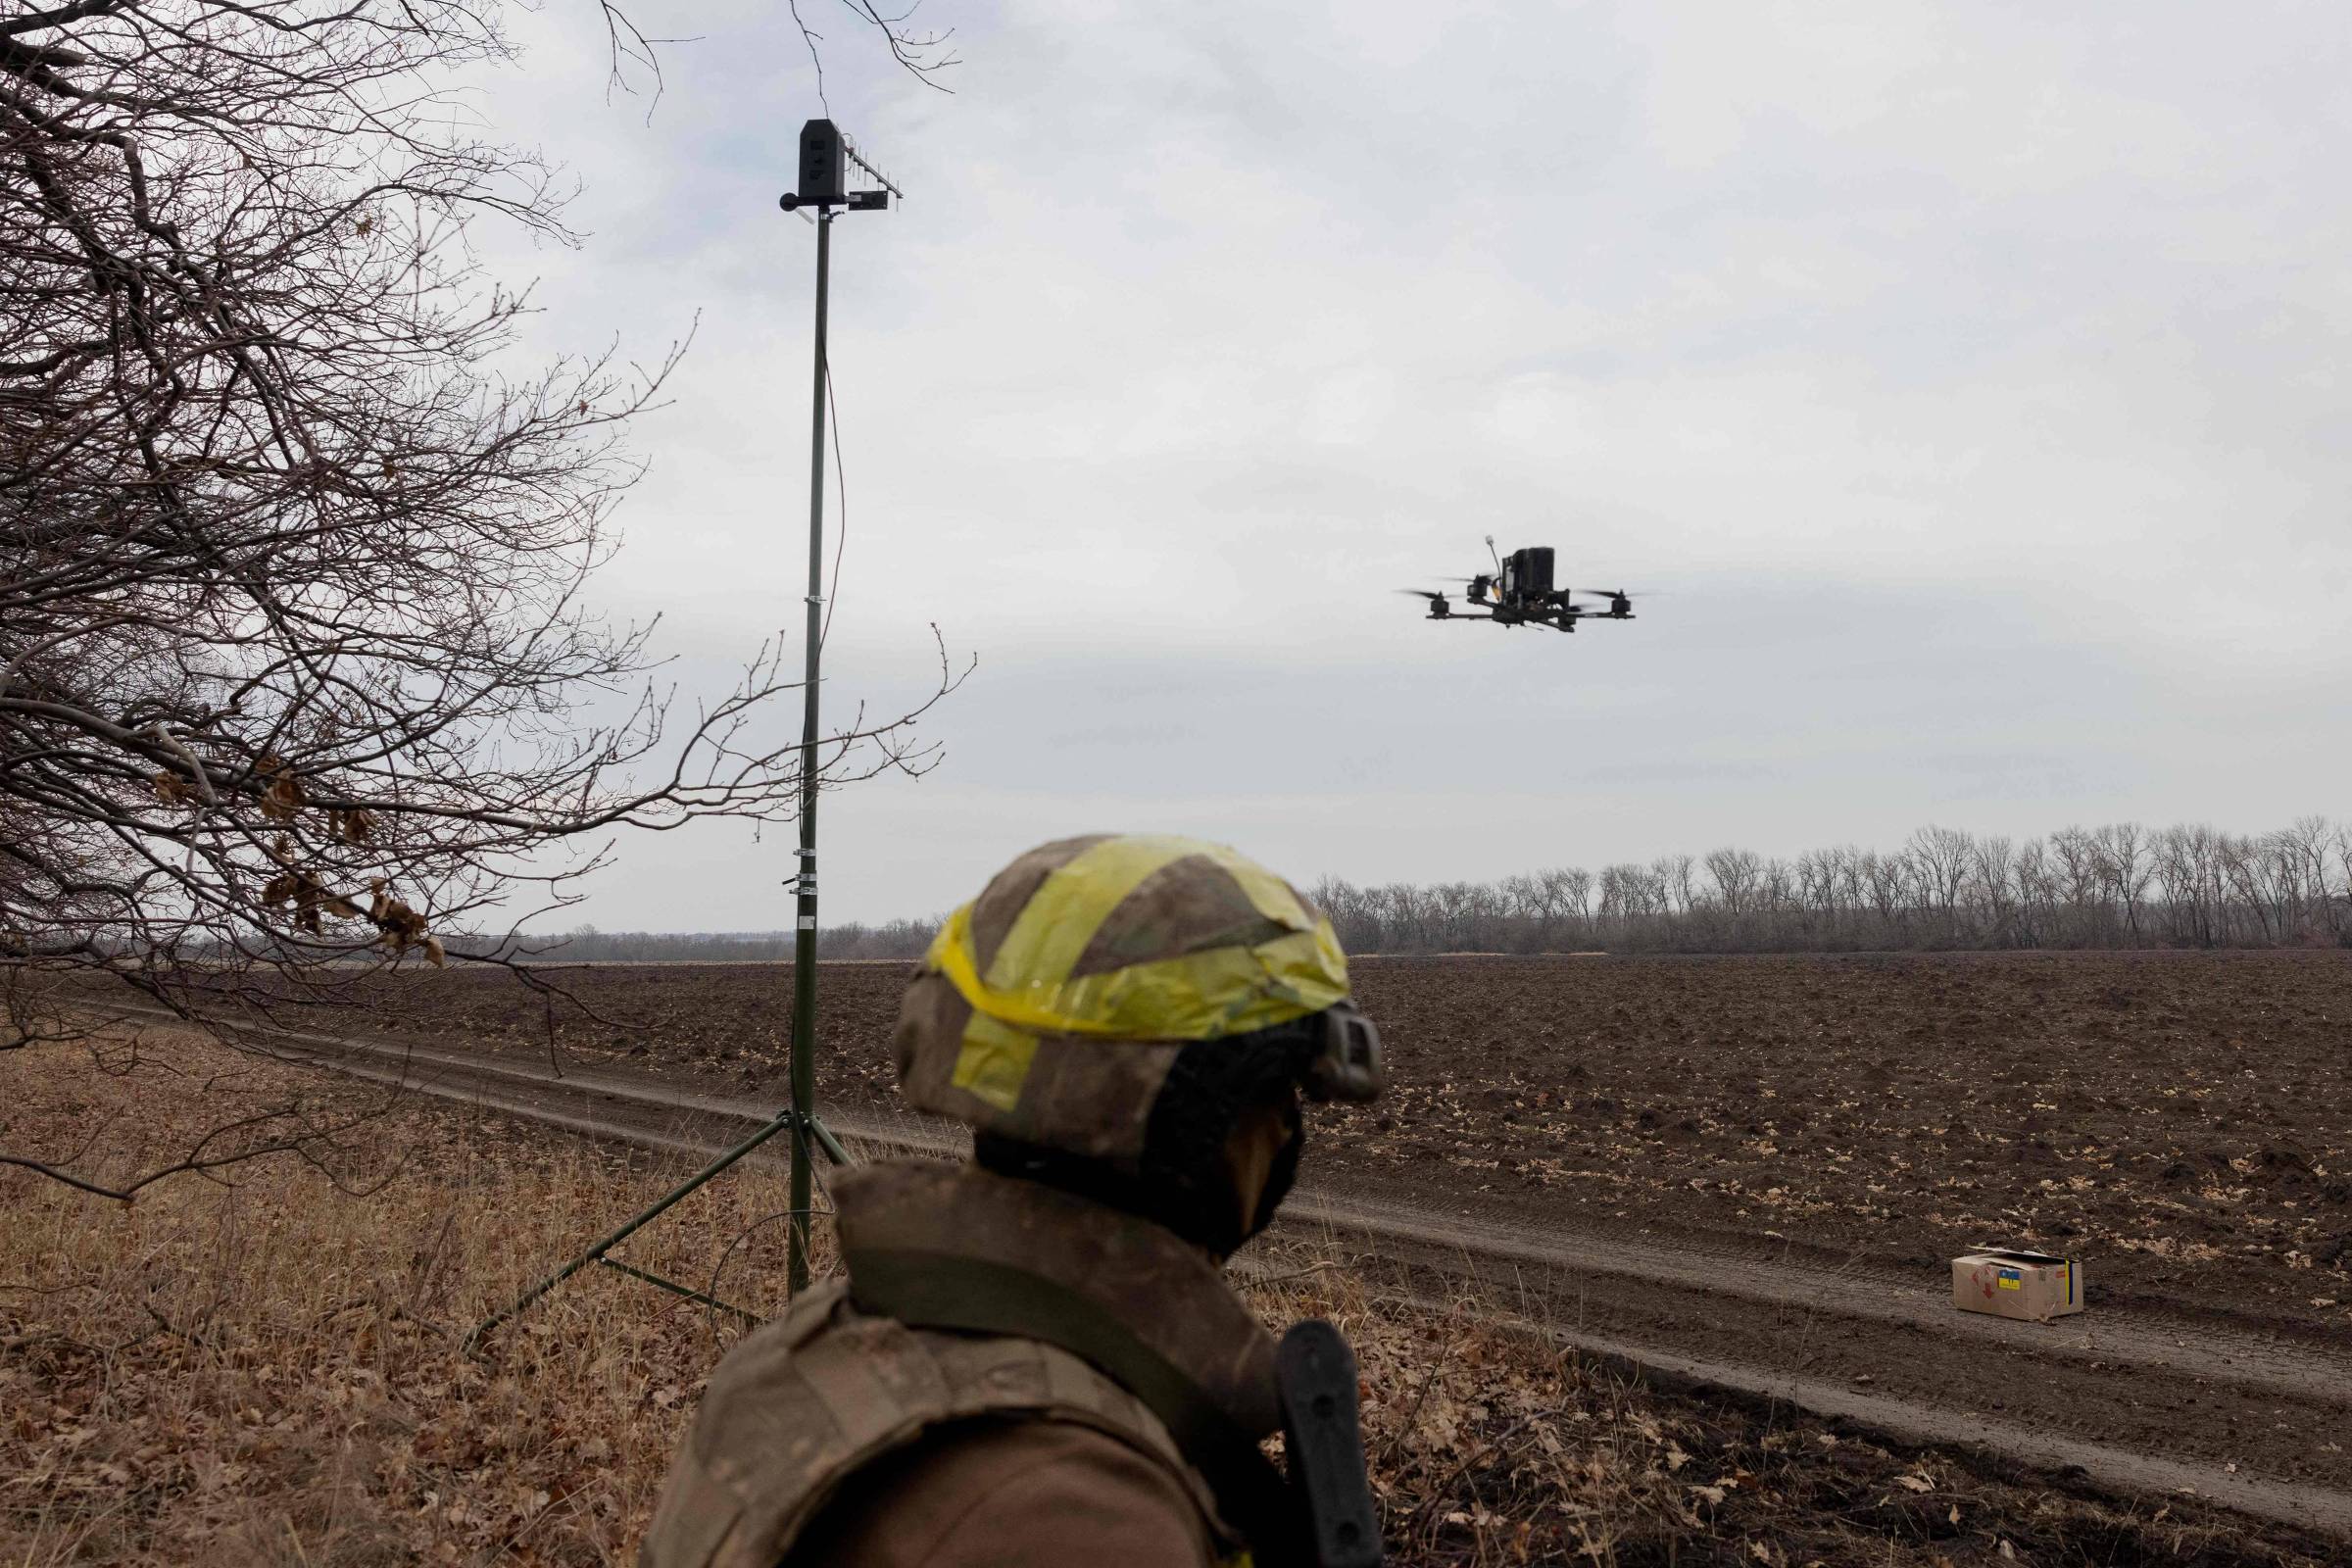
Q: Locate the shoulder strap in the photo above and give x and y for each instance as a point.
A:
(977, 1296)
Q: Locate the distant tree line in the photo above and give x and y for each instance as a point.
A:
(893, 939)
(2118, 886)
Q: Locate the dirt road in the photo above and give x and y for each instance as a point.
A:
(2182, 1119)
(2133, 1396)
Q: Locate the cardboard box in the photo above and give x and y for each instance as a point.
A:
(2033, 1286)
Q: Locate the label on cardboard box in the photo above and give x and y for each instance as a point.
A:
(2007, 1282)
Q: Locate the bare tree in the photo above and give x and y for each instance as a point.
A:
(2124, 861)
(1992, 872)
(1882, 877)
(1575, 885)
(2036, 894)
(2340, 902)
(1353, 912)
(1942, 857)
(295, 664)
(2078, 857)
(1525, 909)
(2186, 887)
(1824, 887)
(1737, 875)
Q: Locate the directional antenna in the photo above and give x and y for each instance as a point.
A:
(849, 148)
(826, 155)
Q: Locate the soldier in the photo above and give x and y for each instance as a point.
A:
(1034, 1358)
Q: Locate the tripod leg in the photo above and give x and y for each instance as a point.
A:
(783, 1120)
(826, 1140)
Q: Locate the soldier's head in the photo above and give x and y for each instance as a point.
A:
(1135, 1017)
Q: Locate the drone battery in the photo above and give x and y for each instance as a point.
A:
(1530, 570)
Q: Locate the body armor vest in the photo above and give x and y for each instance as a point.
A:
(803, 1402)
(806, 1402)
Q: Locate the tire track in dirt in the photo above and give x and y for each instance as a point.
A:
(2138, 1405)
(1751, 1274)
(1748, 1273)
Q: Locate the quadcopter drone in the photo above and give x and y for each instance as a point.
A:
(1519, 593)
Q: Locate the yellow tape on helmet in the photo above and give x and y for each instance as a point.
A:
(1195, 995)
(1070, 905)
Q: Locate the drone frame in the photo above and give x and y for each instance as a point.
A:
(1550, 608)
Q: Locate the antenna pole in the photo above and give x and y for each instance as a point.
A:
(825, 155)
(803, 936)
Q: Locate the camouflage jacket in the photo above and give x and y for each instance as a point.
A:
(839, 1390)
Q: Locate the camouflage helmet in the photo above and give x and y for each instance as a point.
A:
(1051, 1008)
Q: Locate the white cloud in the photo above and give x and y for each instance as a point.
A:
(1972, 374)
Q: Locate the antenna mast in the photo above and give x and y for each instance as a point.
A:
(825, 153)
(823, 184)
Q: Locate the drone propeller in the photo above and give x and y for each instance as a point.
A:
(1422, 593)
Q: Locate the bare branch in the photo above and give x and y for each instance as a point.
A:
(297, 674)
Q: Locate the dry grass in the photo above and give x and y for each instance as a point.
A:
(263, 1367)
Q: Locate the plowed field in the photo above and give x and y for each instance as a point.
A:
(2182, 1121)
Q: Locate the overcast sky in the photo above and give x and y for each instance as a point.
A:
(1969, 377)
